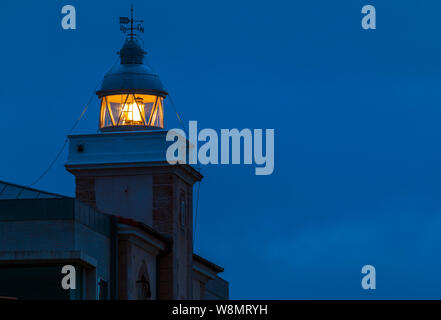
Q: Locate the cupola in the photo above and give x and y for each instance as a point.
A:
(131, 94)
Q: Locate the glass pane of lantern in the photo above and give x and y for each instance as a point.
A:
(107, 119)
(148, 109)
(156, 118)
(103, 113)
(116, 110)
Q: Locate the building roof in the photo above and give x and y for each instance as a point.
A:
(10, 191)
(145, 228)
(207, 263)
(60, 209)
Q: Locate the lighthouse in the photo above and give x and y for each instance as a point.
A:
(123, 171)
(128, 232)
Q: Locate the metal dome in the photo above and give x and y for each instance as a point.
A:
(132, 75)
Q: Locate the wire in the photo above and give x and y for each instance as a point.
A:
(65, 141)
(186, 131)
(69, 132)
(196, 208)
(170, 98)
(176, 111)
(51, 165)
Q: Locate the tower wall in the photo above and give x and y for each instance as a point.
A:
(169, 191)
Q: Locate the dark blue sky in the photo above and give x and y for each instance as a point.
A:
(357, 116)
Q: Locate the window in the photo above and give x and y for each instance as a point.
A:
(143, 283)
(183, 211)
(102, 290)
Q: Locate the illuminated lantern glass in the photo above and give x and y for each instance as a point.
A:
(131, 110)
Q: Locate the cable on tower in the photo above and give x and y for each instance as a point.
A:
(171, 100)
(45, 172)
(64, 144)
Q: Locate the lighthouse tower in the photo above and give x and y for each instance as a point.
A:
(123, 171)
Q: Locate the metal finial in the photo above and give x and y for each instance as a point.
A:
(123, 21)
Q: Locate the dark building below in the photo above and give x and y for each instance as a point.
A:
(114, 257)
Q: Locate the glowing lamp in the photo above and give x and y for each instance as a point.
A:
(131, 110)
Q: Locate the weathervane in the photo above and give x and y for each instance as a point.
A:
(125, 21)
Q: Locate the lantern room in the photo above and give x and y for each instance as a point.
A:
(131, 94)
(131, 111)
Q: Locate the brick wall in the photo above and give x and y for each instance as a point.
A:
(85, 190)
